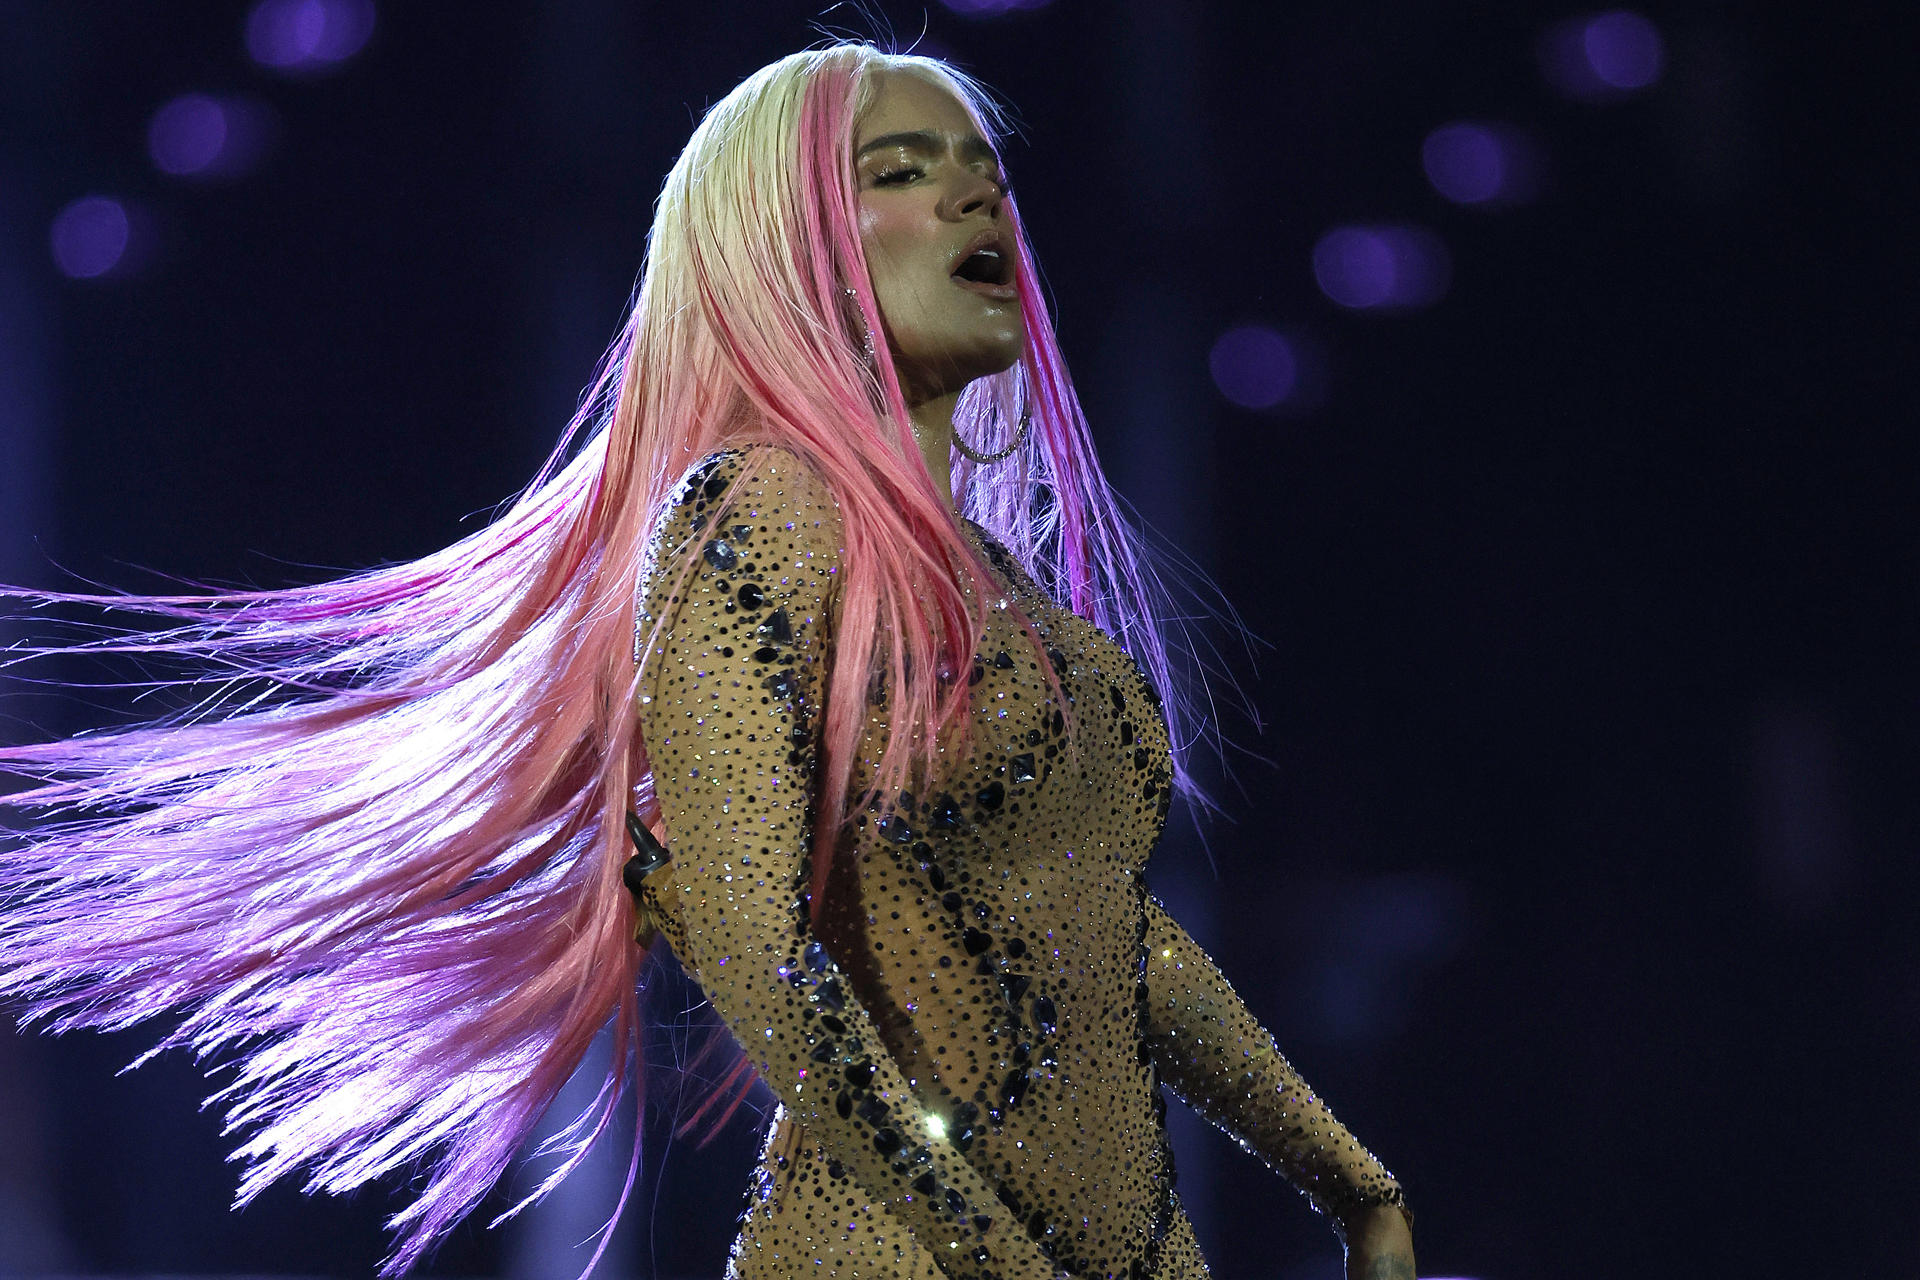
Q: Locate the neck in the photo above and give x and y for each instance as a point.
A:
(933, 432)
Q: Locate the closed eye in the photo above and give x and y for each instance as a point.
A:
(895, 177)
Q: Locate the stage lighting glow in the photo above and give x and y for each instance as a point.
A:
(1254, 367)
(1474, 163)
(1623, 49)
(1383, 268)
(188, 134)
(90, 236)
(989, 8)
(308, 35)
(1603, 55)
(197, 135)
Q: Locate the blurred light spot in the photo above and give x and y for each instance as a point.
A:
(1473, 163)
(188, 134)
(1254, 367)
(988, 8)
(308, 35)
(1382, 267)
(1623, 49)
(1603, 55)
(1806, 856)
(90, 236)
(197, 135)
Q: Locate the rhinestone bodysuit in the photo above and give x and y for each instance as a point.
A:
(968, 1051)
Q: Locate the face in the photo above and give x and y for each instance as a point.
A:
(931, 225)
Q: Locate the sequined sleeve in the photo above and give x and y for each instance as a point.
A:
(729, 715)
(1216, 1056)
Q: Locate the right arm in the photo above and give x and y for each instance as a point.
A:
(729, 714)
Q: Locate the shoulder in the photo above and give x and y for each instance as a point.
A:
(758, 483)
(759, 514)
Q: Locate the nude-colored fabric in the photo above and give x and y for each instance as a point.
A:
(968, 1054)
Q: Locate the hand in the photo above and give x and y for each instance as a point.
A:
(1379, 1245)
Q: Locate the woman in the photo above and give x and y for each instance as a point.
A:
(905, 777)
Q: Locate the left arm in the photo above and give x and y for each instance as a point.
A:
(1217, 1057)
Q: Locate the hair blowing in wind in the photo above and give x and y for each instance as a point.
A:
(374, 871)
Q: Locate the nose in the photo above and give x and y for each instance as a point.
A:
(974, 193)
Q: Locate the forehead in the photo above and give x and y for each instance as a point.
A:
(905, 102)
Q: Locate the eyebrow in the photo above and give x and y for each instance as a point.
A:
(972, 147)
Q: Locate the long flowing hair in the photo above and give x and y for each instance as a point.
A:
(374, 869)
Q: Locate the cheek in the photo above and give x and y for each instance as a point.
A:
(888, 238)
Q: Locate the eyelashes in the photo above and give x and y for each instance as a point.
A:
(901, 176)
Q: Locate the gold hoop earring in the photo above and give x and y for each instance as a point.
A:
(973, 455)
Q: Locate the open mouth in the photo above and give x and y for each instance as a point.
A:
(985, 267)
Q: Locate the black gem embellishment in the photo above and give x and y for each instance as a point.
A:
(720, 555)
(1045, 1015)
(751, 597)
(766, 653)
(860, 1074)
(844, 1104)
(817, 958)
(975, 941)
(1003, 660)
(991, 796)
(832, 996)
(778, 628)
(1020, 768)
(946, 813)
(1016, 947)
(887, 1141)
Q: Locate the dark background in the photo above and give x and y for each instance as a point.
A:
(1573, 859)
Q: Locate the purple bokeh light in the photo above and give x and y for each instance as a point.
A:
(1382, 268)
(308, 35)
(90, 237)
(1254, 367)
(1471, 162)
(991, 8)
(187, 134)
(1624, 49)
(197, 135)
(1603, 55)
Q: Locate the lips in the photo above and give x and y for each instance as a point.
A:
(985, 266)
